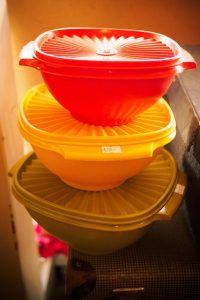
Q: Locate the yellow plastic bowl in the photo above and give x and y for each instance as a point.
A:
(99, 222)
(92, 157)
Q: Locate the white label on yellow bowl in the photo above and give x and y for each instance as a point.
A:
(111, 149)
(180, 189)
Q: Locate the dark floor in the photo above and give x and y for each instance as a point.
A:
(168, 250)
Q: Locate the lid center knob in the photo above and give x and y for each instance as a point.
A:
(106, 47)
(106, 52)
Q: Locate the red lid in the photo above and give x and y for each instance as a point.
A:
(113, 47)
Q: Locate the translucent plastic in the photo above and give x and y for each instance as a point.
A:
(99, 222)
(92, 157)
(106, 76)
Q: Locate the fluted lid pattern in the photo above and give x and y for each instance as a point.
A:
(43, 112)
(139, 197)
(104, 48)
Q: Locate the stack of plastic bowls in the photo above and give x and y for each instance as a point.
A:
(99, 125)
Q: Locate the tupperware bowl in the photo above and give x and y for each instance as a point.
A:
(99, 222)
(92, 157)
(106, 76)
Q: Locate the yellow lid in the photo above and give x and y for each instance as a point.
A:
(45, 123)
(138, 200)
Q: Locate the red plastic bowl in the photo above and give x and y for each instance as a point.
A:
(106, 76)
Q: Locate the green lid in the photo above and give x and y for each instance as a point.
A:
(141, 199)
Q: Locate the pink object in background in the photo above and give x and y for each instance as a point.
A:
(47, 244)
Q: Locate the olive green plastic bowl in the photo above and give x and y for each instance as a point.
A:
(99, 222)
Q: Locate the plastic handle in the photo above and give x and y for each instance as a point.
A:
(146, 150)
(167, 212)
(20, 162)
(26, 57)
(14, 168)
(188, 62)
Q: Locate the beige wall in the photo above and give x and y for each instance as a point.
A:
(19, 276)
(178, 19)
